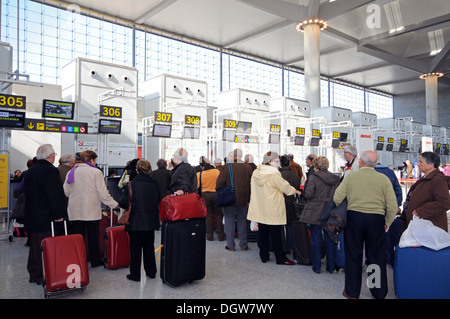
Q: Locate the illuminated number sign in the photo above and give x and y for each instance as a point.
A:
(300, 131)
(229, 124)
(13, 101)
(110, 111)
(381, 139)
(315, 132)
(192, 120)
(275, 128)
(336, 134)
(163, 117)
(390, 140)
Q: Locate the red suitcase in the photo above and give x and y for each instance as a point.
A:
(179, 207)
(64, 263)
(117, 248)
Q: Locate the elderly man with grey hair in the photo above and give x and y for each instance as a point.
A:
(351, 156)
(45, 202)
(67, 162)
(371, 209)
(184, 177)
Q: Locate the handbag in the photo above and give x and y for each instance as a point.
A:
(226, 195)
(125, 218)
(19, 208)
(179, 207)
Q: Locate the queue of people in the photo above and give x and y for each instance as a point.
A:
(265, 194)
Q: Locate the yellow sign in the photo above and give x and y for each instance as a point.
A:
(41, 126)
(110, 111)
(315, 132)
(192, 119)
(300, 131)
(4, 179)
(275, 128)
(163, 117)
(336, 134)
(13, 101)
(229, 124)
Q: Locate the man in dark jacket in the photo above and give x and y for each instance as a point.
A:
(184, 177)
(242, 174)
(163, 176)
(45, 203)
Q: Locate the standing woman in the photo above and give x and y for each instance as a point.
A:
(267, 206)
(144, 220)
(86, 189)
(321, 187)
(429, 196)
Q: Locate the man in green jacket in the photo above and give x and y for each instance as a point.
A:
(371, 208)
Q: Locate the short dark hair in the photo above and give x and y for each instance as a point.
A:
(431, 158)
(161, 163)
(285, 161)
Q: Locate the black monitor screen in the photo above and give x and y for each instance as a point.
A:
(335, 143)
(228, 135)
(380, 146)
(12, 119)
(446, 151)
(314, 141)
(160, 130)
(58, 109)
(244, 127)
(389, 147)
(274, 139)
(343, 137)
(402, 148)
(191, 132)
(299, 140)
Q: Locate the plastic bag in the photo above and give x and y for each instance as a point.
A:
(422, 232)
(254, 226)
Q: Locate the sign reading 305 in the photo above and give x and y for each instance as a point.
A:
(13, 101)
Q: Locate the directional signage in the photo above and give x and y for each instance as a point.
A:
(12, 119)
(56, 126)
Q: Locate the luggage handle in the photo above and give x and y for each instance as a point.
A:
(53, 228)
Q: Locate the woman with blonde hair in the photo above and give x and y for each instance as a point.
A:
(321, 187)
(144, 220)
(267, 206)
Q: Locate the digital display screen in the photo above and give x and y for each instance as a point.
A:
(335, 143)
(299, 140)
(380, 146)
(160, 130)
(389, 147)
(314, 141)
(12, 119)
(109, 126)
(191, 132)
(343, 137)
(244, 127)
(274, 139)
(228, 135)
(58, 109)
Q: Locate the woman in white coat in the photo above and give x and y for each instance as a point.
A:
(267, 207)
(86, 189)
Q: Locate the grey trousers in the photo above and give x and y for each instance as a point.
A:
(236, 220)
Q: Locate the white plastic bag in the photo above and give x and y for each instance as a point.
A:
(253, 226)
(422, 232)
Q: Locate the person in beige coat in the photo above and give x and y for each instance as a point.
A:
(86, 189)
(267, 206)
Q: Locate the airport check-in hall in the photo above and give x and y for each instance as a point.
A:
(143, 80)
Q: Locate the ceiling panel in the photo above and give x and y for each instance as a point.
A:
(266, 29)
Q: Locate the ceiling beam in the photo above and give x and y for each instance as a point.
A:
(257, 33)
(154, 10)
(413, 65)
(362, 69)
(440, 59)
(335, 49)
(400, 81)
(330, 10)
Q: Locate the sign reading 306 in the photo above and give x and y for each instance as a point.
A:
(110, 111)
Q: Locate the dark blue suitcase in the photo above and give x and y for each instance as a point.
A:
(422, 273)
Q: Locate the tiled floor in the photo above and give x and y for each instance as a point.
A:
(229, 275)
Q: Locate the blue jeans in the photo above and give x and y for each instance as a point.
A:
(317, 237)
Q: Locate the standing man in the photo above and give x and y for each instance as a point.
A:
(45, 203)
(236, 215)
(67, 162)
(296, 168)
(310, 166)
(184, 177)
(371, 209)
(351, 156)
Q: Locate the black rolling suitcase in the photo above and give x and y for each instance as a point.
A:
(183, 252)
(302, 243)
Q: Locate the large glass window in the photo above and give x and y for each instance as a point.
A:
(50, 38)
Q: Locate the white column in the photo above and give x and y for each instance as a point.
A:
(312, 64)
(431, 96)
